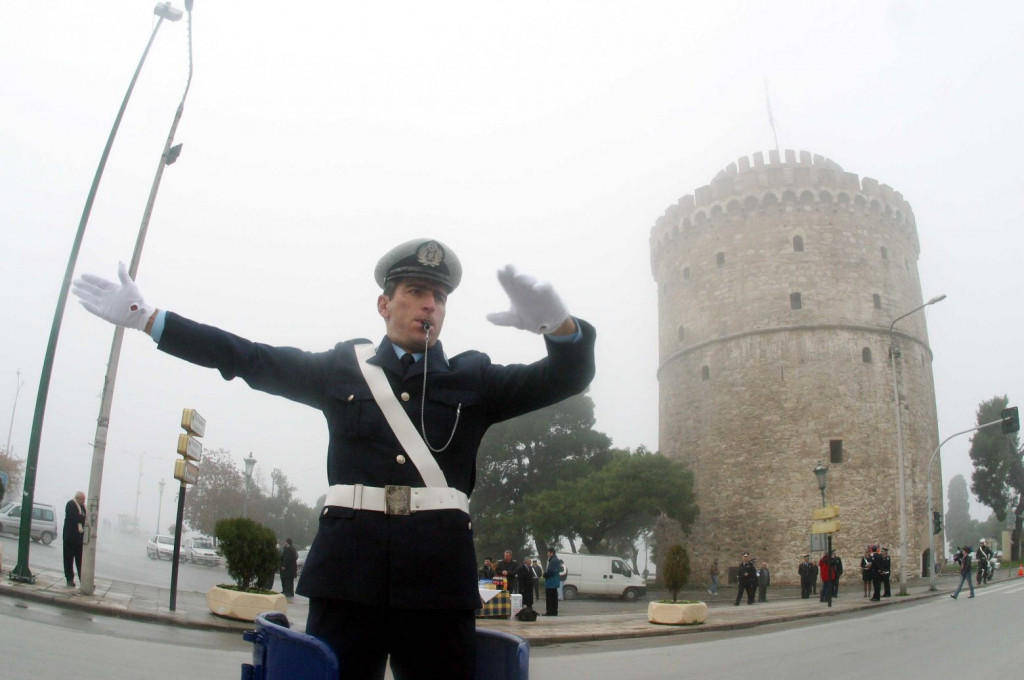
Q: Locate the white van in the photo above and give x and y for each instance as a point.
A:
(600, 575)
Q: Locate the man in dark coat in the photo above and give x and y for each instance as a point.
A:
(746, 580)
(487, 571)
(392, 551)
(886, 572)
(74, 531)
(807, 576)
(524, 579)
(289, 568)
(507, 569)
(538, 577)
(877, 569)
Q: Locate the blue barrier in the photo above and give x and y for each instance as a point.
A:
(280, 653)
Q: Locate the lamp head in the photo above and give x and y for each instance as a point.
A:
(250, 463)
(821, 472)
(937, 298)
(165, 10)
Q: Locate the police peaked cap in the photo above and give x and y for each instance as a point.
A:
(422, 259)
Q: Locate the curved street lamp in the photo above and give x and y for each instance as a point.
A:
(901, 473)
(21, 571)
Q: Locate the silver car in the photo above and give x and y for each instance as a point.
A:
(44, 521)
(161, 547)
(200, 551)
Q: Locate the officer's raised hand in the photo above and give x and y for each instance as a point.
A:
(119, 302)
(534, 305)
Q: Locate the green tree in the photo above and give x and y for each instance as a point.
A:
(219, 493)
(959, 527)
(15, 469)
(610, 508)
(526, 455)
(250, 551)
(285, 515)
(998, 478)
(676, 570)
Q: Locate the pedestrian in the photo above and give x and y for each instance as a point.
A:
(524, 578)
(877, 569)
(836, 569)
(825, 568)
(289, 569)
(984, 557)
(538, 577)
(746, 580)
(552, 582)
(886, 572)
(865, 570)
(713, 573)
(507, 570)
(764, 579)
(807, 574)
(964, 559)
(401, 459)
(814, 581)
(74, 533)
(487, 571)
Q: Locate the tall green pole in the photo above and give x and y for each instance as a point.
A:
(21, 571)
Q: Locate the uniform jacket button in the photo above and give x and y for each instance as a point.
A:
(405, 396)
(351, 397)
(400, 459)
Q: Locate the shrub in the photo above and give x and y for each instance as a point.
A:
(675, 570)
(250, 551)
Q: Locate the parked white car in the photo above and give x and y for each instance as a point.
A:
(161, 547)
(200, 551)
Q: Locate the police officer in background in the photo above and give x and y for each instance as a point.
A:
(807, 576)
(392, 570)
(746, 580)
(984, 556)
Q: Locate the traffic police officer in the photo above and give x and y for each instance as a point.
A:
(747, 580)
(392, 570)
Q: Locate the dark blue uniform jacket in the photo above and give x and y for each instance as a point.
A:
(426, 559)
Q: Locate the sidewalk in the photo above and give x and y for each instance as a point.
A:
(149, 604)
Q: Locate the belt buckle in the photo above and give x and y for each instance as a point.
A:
(397, 500)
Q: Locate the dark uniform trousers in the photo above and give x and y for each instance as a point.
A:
(370, 571)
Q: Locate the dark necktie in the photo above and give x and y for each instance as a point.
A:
(407, 360)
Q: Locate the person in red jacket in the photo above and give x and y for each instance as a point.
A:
(825, 565)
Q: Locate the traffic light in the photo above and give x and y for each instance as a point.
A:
(1011, 421)
(936, 522)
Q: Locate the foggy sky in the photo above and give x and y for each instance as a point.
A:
(547, 135)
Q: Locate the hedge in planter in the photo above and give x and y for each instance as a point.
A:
(250, 551)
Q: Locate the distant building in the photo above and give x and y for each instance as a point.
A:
(777, 284)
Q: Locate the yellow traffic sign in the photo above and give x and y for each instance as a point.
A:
(828, 526)
(192, 422)
(828, 512)
(190, 448)
(185, 471)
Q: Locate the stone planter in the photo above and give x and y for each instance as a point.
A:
(677, 613)
(234, 604)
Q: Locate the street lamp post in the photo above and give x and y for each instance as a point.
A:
(901, 473)
(21, 571)
(160, 506)
(164, 11)
(821, 473)
(250, 463)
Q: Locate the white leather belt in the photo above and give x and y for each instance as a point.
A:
(396, 500)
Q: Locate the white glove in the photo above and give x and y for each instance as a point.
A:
(535, 306)
(119, 303)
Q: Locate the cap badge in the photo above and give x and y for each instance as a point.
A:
(430, 254)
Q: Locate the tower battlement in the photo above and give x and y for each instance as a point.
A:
(799, 181)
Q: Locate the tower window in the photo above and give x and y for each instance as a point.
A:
(877, 299)
(835, 450)
(794, 301)
(885, 253)
(705, 373)
(865, 355)
(798, 244)
(720, 259)
(680, 332)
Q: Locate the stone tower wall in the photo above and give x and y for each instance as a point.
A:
(753, 393)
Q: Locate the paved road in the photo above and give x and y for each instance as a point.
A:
(929, 638)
